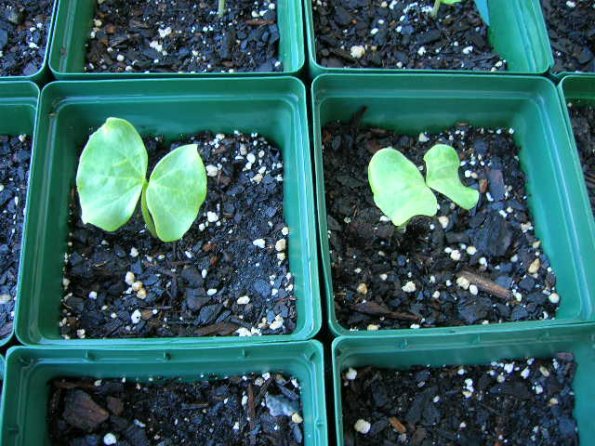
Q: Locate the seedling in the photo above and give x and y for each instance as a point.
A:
(111, 177)
(221, 8)
(437, 4)
(399, 188)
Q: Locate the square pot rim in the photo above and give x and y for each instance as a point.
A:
(310, 359)
(14, 93)
(326, 276)
(315, 67)
(397, 345)
(311, 287)
(38, 75)
(65, 75)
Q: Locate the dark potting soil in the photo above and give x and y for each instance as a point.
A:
(184, 36)
(583, 126)
(520, 402)
(459, 268)
(15, 154)
(249, 410)
(402, 34)
(572, 34)
(229, 274)
(24, 26)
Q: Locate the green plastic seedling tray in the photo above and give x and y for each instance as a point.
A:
(18, 104)
(517, 32)
(275, 108)
(474, 349)
(75, 19)
(29, 369)
(41, 75)
(557, 195)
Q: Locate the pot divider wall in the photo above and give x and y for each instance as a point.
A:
(556, 193)
(517, 32)
(18, 105)
(402, 352)
(275, 109)
(581, 88)
(75, 19)
(29, 370)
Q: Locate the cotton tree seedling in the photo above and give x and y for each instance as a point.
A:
(221, 8)
(399, 188)
(437, 4)
(111, 177)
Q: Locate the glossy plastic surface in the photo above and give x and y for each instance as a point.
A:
(557, 195)
(68, 110)
(29, 369)
(74, 22)
(474, 349)
(18, 104)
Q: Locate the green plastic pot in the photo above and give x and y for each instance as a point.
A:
(517, 32)
(18, 104)
(473, 349)
(580, 89)
(75, 19)
(557, 195)
(41, 75)
(550, 56)
(29, 369)
(275, 108)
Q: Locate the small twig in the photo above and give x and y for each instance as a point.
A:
(485, 284)
(374, 309)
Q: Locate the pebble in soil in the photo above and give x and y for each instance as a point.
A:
(24, 28)
(583, 127)
(184, 36)
(459, 268)
(15, 153)
(228, 275)
(402, 34)
(520, 402)
(572, 34)
(248, 410)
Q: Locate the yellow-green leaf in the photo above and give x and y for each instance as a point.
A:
(399, 188)
(442, 164)
(177, 188)
(111, 174)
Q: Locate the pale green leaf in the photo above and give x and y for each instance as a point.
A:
(450, 2)
(442, 163)
(177, 188)
(111, 174)
(399, 188)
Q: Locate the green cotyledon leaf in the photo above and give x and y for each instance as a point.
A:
(399, 188)
(442, 164)
(177, 188)
(111, 173)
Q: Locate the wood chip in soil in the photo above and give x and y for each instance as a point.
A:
(572, 34)
(255, 410)
(185, 36)
(24, 26)
(15, 154)
(402, 34)
(229, 275)
(582, 118)
(516, 402)
(459, 268)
